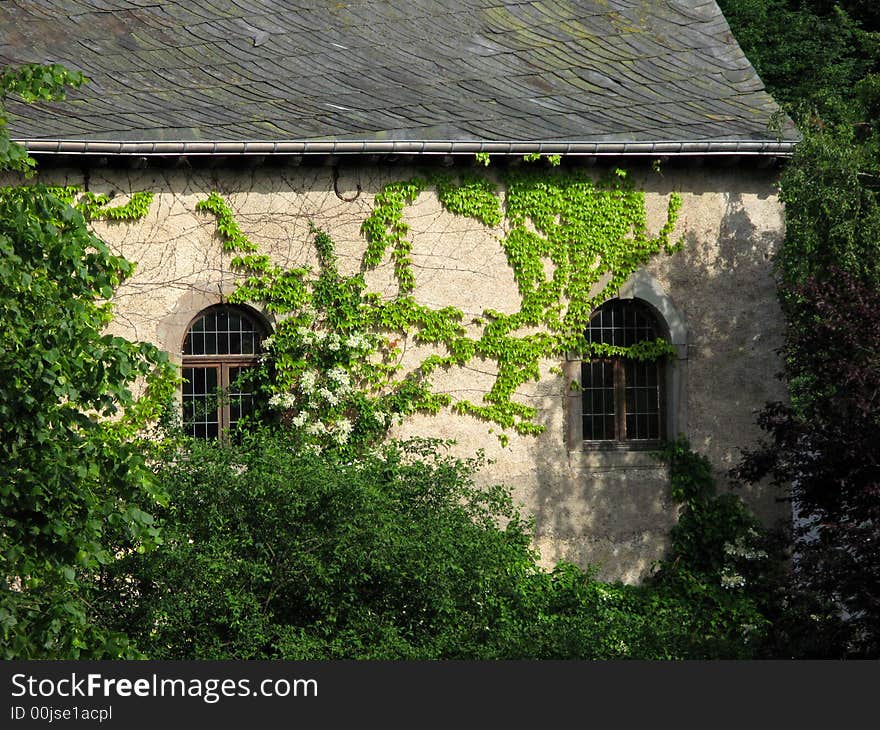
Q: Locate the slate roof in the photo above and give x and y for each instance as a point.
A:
(447, 76)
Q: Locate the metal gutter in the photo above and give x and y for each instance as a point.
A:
(411, 147)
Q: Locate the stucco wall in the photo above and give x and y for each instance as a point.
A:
(612, 511)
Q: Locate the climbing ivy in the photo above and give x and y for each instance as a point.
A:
(385, 228)
(554, 160)
(227, 229)
(472, 195)
(95, 207)
(326, 371)
(570, 241)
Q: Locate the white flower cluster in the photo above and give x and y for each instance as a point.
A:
(316, 429)
(320, 395)
(282, 401)
(328, 396)
(342, 429)
(341, 379)
(740, 549)
(732, 580)
(319, 337)
(336, 385)
(307, 382)
(339, 430)
(357, 341)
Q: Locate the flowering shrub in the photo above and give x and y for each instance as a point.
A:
(326, 377)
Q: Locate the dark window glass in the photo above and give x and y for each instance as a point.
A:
(597, 378)
(622, 398)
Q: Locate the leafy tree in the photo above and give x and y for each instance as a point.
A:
(810, 53)
(827, 447)
(30, 83)
(822, 60)
(74, 485)
(272, 551)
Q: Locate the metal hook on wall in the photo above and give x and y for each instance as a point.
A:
(336, 187)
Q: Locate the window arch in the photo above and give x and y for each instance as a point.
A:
(221, 344)
(623, 401)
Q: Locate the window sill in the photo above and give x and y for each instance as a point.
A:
(604, 455)
(646, 445)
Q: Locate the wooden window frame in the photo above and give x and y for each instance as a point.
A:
(572, 369)
(223, 364)
(621, 440)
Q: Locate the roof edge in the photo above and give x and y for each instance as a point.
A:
(764, 148)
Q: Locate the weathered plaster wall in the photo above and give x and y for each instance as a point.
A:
(612, 511)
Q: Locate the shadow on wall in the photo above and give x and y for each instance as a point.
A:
(737, 326)
(617, 517)
(613, 517)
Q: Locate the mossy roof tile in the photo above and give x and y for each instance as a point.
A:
(431, 71)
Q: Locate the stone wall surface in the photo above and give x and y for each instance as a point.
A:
(611, 510)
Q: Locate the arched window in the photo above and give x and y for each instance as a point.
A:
(221, 344)
(623, 400)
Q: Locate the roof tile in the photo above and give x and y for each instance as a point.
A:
(447, 70)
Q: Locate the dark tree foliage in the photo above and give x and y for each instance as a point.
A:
(829, 452)
(811, 54)
(821, 60)
(832, 211)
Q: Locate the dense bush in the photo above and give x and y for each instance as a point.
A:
(276, 552)
(821, 59)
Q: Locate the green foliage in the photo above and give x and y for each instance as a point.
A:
(30, 83)
(718, 561)
(475, 197)
(644, 351)
(810, 54)
(74, 485)
(584, 231)
(326, 374)
(822, 60)
(227, 228)
(385, 228)
(553, 160)
(832, 209)
(824, 448)
(275, 552)
(272, 551)
(96, 207)
(714, 530)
